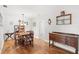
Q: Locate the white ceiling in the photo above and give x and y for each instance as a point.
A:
(31, 10)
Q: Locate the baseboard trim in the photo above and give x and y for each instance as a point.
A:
(2, 47)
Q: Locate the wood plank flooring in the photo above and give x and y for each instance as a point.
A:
(40, 47)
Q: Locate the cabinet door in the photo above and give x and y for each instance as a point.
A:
(60, 39)
(72, 41)
(54, 37)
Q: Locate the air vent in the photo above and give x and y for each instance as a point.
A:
(5, 6)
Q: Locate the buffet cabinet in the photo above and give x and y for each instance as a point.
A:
(64, 38)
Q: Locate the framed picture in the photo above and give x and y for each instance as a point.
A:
(64, 19)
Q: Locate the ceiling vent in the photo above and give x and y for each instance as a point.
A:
(5, 6)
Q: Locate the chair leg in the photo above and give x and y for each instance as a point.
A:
(32, 44)
(16, 43)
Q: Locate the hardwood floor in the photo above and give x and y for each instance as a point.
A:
(40, 47)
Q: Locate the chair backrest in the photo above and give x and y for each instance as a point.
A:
(21, 28)
(31, 33)
(16, 30)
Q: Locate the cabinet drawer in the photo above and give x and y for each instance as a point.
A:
(72, 41)
(52, 36)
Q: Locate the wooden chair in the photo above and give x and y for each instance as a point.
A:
(16, 35)
(28, 41)
(32, 37)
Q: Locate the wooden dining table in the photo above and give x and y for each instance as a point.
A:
(24, 33)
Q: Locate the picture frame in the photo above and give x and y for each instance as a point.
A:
(64, 19)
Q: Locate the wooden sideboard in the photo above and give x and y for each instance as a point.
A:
(64, 38)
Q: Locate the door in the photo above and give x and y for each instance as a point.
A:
(42, 29)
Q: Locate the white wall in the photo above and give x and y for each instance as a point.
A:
(73, 28)
(51, 12)
(43, 28)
